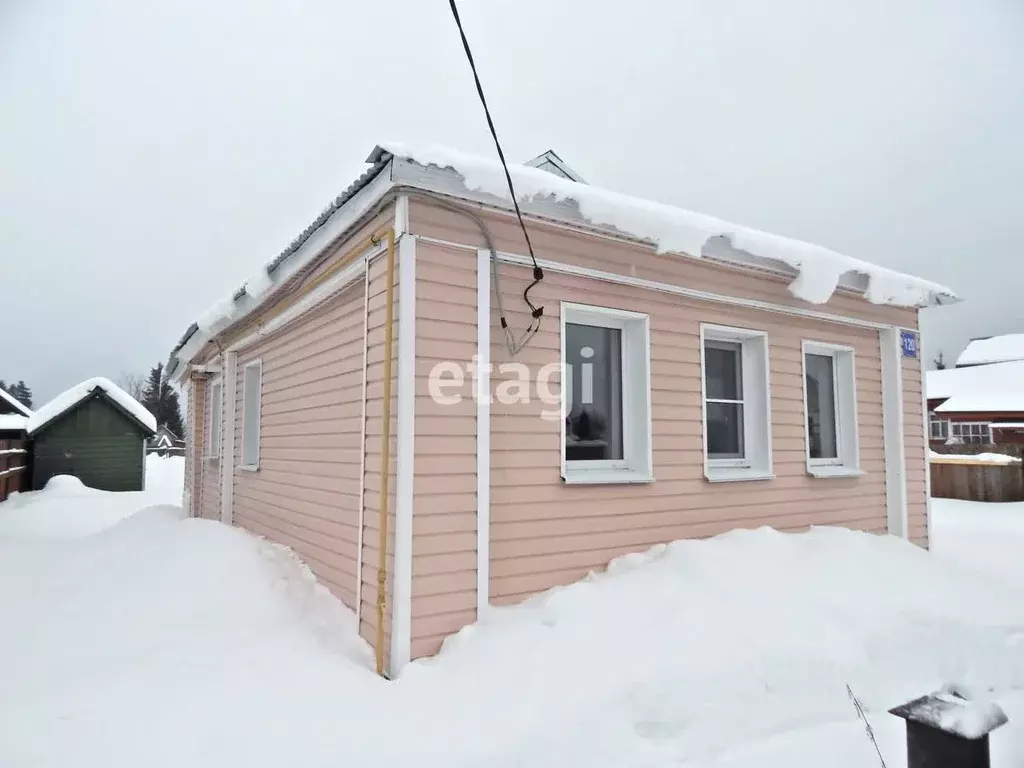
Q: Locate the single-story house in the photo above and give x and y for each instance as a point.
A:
(165, 443)
(992, 349)
(95, 431)
(437, 423)
(980, 404)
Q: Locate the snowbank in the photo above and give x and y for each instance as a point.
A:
(680, 231)
(977, 458)
(70, 398)
(997, 349)
(986, 537)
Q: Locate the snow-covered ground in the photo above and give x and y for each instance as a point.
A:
(983, 536)
(163, 641)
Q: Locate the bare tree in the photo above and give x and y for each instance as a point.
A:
(133, 384)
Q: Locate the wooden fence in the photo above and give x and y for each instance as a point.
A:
(962, 478)
(14, 470)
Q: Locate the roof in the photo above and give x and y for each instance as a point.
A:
(67, 400)
(1007, 425)
(995, 349)
(13, 422)
(16, 404)
(985, 402)
(551, 192)
(998, 377)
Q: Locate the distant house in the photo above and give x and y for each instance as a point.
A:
(979, 404)
(992, 349)
(95, 431)
(165, 443)
(382, 399)
(13, 417)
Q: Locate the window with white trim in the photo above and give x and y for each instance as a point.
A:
(830, 410)
(606, 395)
(214, 420)
(975, 432)
(938, 427)
(736, 407)
(252, 387)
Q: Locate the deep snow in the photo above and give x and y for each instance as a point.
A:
(163, 641)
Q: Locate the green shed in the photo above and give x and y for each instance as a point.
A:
(95, 431)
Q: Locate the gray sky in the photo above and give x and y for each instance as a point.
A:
(154, 154)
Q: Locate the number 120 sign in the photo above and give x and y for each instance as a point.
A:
(909, 340)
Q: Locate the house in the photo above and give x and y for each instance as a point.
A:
(15, 458)
(95, 431)
(992, 349)
(386, 396)
(13, 417)
(980, 404)
(165, 443)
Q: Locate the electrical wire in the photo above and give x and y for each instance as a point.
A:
(538, 273)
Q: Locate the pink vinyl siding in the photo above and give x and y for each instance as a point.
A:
(209, 476)
(543, 532)
(305, 493)
(193, 447)
(915, 447)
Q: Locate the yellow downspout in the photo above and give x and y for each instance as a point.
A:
(385, 452)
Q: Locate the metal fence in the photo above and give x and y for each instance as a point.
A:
(14, 469)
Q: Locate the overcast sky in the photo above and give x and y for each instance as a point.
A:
(153, 154)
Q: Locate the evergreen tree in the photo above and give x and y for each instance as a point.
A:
(161, 400)
(151, 394)
(22, 393)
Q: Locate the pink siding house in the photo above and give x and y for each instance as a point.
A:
(383, 398)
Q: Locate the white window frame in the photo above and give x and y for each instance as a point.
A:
(935, 419)
(956, 429)
(216, 409)
(637, 465)
(844, 379)
(253, 464)
(756, 463)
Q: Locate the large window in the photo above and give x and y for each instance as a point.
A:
(938, 427)
(606, 395)
(215, 410)
(736, 403)
(830, 412)
(252, 382)
(966, 432)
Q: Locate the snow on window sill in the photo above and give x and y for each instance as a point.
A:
(605, 477)
(249, 467)
(736, 474)
(833, 471)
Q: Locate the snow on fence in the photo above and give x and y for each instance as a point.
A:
(978, 475)
(14, 474)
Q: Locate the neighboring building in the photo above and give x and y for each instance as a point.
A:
(13, 417)
(165, 443)
(95, 431)
(716, 377)
(993, 349)
(980, 404)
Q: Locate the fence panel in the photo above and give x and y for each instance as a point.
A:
(14, 472)
(977, 481)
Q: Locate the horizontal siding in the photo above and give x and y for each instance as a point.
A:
(545, 533)
(915, 447)
(305, 493)
(210, 478)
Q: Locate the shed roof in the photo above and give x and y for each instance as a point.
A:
(15, 404)
(994, 349)
(69, 399)
(975, 380)
(13, 422)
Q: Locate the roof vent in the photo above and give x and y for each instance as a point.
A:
(552, 163)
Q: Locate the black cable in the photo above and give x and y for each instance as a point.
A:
(538, 273)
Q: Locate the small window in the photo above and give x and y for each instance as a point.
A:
(252, 383)
(737, 419)
(830, 415)
(214, 421)
(605, 395)
(938, 427)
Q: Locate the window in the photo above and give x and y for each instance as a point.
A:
(938, 427)
(252, 383)
(737, 419)
(605, 395)
(830, 412)
(214, 422)
(970, 432)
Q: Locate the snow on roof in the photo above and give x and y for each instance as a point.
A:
(998, 377)
(1007, 425)
(678, 230)
(13, 421)
(15, 403)
(72, 397)
(985, 402)
(996, 349)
